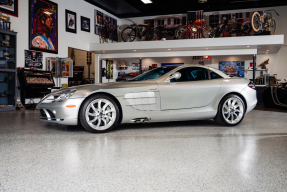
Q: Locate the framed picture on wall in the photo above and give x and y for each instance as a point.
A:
(85, 24)
(71, 21)
(43, 26)
(9, 6)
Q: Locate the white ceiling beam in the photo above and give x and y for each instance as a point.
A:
(180, 53)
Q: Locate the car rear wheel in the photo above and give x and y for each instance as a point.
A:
(99, 114)
(231, 110)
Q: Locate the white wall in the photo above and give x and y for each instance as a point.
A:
(80, 40)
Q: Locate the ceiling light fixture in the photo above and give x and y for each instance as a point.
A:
(146, 1)
(247, 45)
(202, 1)
(169, 49)
(267, 50)
(135, 50)
(206, 48)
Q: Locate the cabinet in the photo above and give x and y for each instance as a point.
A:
(8, 90)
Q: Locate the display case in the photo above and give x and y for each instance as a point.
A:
(8, 91)
(34, 83)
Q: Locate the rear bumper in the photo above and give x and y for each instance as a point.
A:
(250, 97)
(57, 112)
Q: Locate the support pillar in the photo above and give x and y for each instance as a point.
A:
(254, 67)
(140, 65)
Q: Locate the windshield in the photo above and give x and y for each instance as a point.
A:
(153, 74)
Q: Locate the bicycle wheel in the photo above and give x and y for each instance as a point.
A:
(272, 26)
(128, 34)
(182, 32)
(255, 22)
(207, 32)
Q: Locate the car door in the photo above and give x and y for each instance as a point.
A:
(192, 90)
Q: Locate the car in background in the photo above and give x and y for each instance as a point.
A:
(171, 93)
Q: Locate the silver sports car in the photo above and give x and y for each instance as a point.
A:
(171, 93)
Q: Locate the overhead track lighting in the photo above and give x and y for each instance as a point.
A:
(146, 1)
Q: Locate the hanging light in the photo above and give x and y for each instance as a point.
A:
(146, 1)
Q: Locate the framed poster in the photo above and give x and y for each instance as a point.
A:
(85, 24)
(43, 26)
(71, 21)
(105, 26)
(33, 59)
(232, 68)
(9, 6)
(110, 70)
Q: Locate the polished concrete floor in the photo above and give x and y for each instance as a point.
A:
(177, 156)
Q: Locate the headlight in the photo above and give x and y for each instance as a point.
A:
(63, 95)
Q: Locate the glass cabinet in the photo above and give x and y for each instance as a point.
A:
(8, 91)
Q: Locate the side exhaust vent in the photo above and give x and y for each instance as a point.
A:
(141, 120)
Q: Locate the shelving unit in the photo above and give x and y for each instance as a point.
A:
(8, 70)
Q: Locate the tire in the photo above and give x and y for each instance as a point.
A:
(272, 26)
(99, 121)
(208, 32)
(255, 22)
(228, 110)
(246, 28)
(149, 35)
(182, 32)
(128, 34)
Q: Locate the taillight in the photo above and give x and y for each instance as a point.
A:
(251, 85)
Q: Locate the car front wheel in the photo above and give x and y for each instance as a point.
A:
(99, 114)
(231, 110)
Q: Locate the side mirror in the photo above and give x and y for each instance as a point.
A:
(175, 75)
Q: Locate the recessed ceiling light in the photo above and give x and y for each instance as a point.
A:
(202, 1)
(135, 50)
(169, 49)
(103, 51)
(206, 48)
(146, 1)
(267, 50)
(248, 46)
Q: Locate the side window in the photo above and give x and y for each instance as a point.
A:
(192, 74)
(214, 75)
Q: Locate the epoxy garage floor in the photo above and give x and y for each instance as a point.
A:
(176, 156)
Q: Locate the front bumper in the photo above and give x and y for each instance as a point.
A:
(57, 112)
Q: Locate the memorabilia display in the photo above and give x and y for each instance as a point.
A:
(264, 22)
(149, 98)
(34, 83)
(8, 88)
(85, 24)
(60, 67)
(232, 68)
(43, 28)
(71, 21)
(110, 70)
(9, 7)
(106, 26)
(33, 59)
